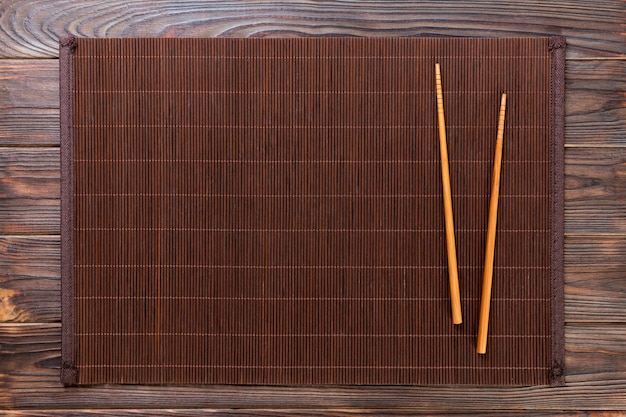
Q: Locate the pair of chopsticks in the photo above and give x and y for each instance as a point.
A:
(455, 298)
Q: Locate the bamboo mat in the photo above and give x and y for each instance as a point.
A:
(269, 211)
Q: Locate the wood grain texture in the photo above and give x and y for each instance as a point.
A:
(32, 173)
(595, 190)
(31, 376)
(25, 298)
(594, 296)
(32, 28)
(29, 84)
(585, 340)
(595, 103)
(31, 216)
(594, 253)
(26, 126)
(35, 256)
(595, 285)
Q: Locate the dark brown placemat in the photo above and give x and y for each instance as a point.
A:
(269, 211)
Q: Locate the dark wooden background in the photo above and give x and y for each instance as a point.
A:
(595, 194)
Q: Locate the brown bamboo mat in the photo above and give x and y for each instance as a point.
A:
(269, 211)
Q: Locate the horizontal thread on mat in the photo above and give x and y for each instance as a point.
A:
(294, 266)
(307, 366)
(315, 57)
(295, 161)
(318, 335)
(122, 298)
(299, 195)
(190, 229)
(337, 92)
(278, 126)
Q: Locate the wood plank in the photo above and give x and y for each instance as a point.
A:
(595, 103)
(29, 216)
(28, 126)
(29, 83)
(582, 343)
(30, 173)
(331, 412)
(594, 274)
(595, 190)
(35, 256)
(29, 102)
(25, 298)
(596, 296)
(29, 373)
(29, 190)
(32, 29)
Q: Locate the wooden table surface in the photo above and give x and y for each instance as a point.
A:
(595, 194)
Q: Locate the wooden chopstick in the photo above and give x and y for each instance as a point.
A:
(453, 273)
(485, 301)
